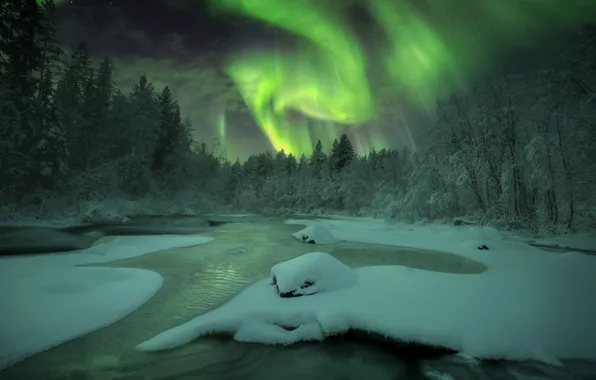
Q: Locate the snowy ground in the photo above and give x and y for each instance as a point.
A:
(529, 304)
(46, 299)
(583, 241)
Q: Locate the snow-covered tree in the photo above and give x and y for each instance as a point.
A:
(318, 158)
(342, 153)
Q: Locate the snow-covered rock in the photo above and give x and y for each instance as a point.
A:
(519, 312)
(315, 234)
(311, 273)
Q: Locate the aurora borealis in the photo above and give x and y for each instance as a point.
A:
(331, 77)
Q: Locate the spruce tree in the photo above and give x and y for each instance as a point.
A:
(334, 156)
(302, 163)
(103, 93)
(343, 154)
(74, 100)
(317, 158)
(291, 164)
(234, 182)
(265, 165)
(21, 60)
(145, 121)
(52, 53)
(185, 140)
(50, 151)
(279, 164)
(169, 132)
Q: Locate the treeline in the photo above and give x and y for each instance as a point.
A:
(518, 151)
(68, 132)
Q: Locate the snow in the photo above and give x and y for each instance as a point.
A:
(106, 212)
(315, 234)
(48, 300)
(103, 251)
(580, 241)
(322, 271)
(436, 375)
(64, 303)
(242, 215)
(529, 304)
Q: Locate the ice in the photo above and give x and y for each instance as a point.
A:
(315, 234)
(319, 270)
(47, 300)
(103, 251)
(529, 304)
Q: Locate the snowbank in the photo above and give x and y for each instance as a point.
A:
(312, 273)
(315, 234)
(104, 251)
(584, 242)
(42, 311)
(528, 305)
(480, 315)
(46, 300)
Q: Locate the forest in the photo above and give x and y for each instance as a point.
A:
(517, 151)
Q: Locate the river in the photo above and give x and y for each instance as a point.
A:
(201, 278)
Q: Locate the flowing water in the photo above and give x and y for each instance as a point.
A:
(201, 278)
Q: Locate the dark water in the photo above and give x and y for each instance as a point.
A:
(201, 278)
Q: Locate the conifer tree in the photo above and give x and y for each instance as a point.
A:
(50, 151)
(342, 154)
(169, 132)
(74, 100)
(234, 182)
(20, 65)
(145, 121)
(333, 156)
(317, 158)
(291, 164)
(302, 163)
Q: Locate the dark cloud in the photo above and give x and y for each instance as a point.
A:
(106, 29)
(182, 4)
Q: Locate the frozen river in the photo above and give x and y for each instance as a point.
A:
(201, 278)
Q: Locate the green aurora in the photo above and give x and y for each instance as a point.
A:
(337, 80)
(427, 52)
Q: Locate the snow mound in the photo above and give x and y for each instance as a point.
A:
(315, 234)
(60, 304)
(312, 273)
(46, 300)
(513, 314)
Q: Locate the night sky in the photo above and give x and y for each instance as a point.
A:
(448, 45)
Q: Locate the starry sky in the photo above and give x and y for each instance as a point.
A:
(262, 74)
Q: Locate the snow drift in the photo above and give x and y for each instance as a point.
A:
(47, 299)
(311, 273)
(316, 234)
(492, 316)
